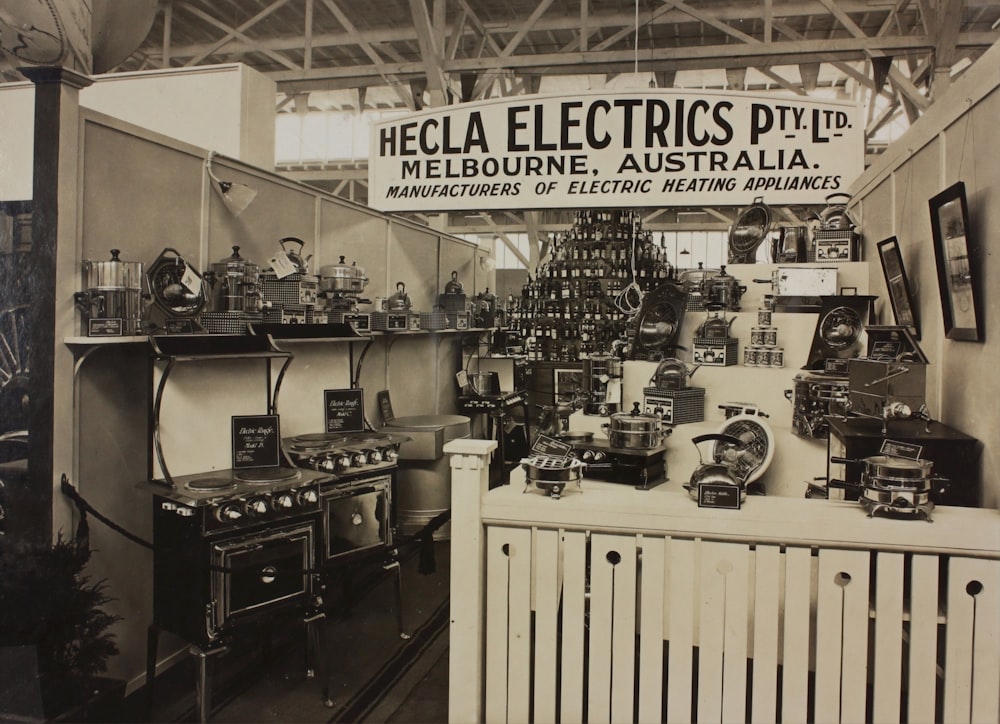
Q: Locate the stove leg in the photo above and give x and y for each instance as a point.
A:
(316, 657)
(398, 580)
(203, 682)
(152, 646)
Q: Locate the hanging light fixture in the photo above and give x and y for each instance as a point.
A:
(237, 197)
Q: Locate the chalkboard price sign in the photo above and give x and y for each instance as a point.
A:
(344, 410)
(256, 441)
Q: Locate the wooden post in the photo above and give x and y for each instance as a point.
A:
(470, 480)
(55, 209)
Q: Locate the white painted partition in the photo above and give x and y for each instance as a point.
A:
(613, 604)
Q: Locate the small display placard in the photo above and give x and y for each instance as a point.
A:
(105, 327)
(385, 406)
(256, 441)
(344, 410)
(545, 445)
(884, 350)
(901, 449)
(718, 495)
(176, 325)
(836, 366)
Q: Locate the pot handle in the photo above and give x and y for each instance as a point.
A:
(293, 240)
(843, 484)
(728, 439)
(845, 461)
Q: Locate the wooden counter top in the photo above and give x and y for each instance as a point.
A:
(599, 505)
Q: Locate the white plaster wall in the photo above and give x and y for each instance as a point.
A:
(955, 140)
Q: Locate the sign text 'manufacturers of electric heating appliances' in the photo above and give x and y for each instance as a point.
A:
(636, 148)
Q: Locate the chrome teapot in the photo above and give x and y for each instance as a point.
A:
(718, 471)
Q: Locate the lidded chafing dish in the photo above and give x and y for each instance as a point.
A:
(635, 430)
(343, 278)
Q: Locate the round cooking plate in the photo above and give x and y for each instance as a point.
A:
(210, 484)
(362, 437)
(266, 475)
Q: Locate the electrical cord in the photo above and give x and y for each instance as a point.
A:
(629, 299)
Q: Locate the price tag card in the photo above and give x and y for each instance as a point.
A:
(256, 441)
(718, 495)
(282, 265)
(191, 280)
(545, 445)
(901, 449)
(344, 410)
(462, 377)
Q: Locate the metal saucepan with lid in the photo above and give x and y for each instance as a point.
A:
(342, 278)
(635, 430)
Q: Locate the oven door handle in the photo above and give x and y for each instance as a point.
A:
(351, 492)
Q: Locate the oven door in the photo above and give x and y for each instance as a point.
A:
(265, 571)
(357, 517)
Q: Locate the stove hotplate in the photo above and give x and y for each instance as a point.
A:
(345, 453)
(211, 488)
(318, 442)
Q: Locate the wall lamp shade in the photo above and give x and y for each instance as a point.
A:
(236, 197)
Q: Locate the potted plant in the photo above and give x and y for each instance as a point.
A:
(48, 602)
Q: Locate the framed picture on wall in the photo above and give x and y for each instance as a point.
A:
(896, 281)
(953, 250)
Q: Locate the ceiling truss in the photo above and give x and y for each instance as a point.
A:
(418, 53)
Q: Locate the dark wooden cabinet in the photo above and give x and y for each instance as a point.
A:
(955, 455)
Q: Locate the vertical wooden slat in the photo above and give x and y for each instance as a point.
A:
(797, 634)
(857, 608)
(842, 636)
(574, 608)
(722, 657)
(601, 622)
(734, 702)
(519, 627)
(652, 577)
(711, 633)
(497, 583)
(767, 585)
(623, 635)
(971, 666)
(680, 626)
(923, 660)
(986, 654)
(888, 637)
(546, 593)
